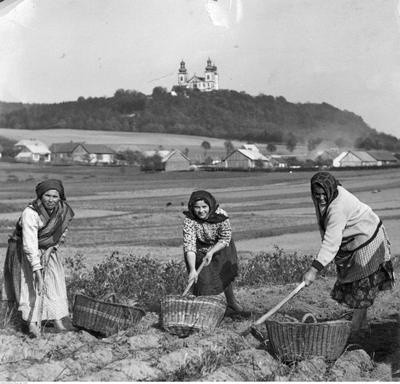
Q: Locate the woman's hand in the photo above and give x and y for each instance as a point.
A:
(193, 275)
(38, 280)
(208, 257)
(310, 276)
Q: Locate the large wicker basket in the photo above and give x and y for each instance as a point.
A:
(104, 317)
(182, 315)
(292, 341)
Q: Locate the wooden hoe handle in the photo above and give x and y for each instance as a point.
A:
(185, 292)
(277, 306)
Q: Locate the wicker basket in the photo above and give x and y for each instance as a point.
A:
(293, 341)
(182, 315)
(104, 317)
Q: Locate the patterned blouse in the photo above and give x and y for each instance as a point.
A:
(203, 236)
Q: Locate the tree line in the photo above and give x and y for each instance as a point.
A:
(223, 114)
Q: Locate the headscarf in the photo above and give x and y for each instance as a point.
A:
(55, 222)
(46, 185)
(209, 199)
(329, 184)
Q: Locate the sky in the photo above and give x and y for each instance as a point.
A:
(342, 52)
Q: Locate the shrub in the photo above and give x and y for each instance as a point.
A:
(277, 267)
(141, 279)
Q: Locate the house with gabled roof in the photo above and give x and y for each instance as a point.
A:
(384, 157)
(82, 153)
(354, 159)
(248, 157)
(172, 160)
(32, 151)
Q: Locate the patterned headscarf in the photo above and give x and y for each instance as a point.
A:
(329, 184)
(46, 185)
(209, 199)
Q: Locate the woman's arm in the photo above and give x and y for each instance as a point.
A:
(336, 222)
(30, 243)
(224, 238)
(189, 247)
(30, 226)
(332, 239)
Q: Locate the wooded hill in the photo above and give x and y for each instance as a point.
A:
(223, 114)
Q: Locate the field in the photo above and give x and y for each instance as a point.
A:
(121, 209)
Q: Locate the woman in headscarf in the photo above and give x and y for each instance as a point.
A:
(33, 273)
(207, 234)
(355, 238)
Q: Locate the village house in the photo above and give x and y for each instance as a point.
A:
(248, 157)
(384, 158)
(32, 151)
(172, 160)
(354, 159)
(82, 153)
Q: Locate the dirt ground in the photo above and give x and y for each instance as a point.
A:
(148, 353)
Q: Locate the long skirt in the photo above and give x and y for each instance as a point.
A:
(215, 277)
(362, 292)
(18, 286)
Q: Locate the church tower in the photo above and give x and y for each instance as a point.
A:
(211, 76)
(182, 74)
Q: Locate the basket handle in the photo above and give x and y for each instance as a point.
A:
(185, 292)
(108, 296)
(307, 315)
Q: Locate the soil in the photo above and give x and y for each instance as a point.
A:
(148, 353)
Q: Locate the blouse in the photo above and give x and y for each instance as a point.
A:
(203, 236)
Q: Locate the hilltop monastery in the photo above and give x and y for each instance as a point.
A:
(205, 84)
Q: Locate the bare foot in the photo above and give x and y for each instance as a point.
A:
(59, 326)
(34, 330)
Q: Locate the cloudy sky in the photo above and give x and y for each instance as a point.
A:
(343, 52)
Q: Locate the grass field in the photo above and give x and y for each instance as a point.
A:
(132, 212)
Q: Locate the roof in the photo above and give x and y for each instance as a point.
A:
(196, 78)
(252, 155)
(340, 156)
(63, 147)
(382, 155)
(97, 148)
(250, 147)
(363, 156)
(164, 154)
(33, 146)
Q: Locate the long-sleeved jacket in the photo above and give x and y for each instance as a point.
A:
(349, 224)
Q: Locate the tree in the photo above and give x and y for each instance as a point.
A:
(131, 157)
(313, 143)
(271, 147)
(152, 163)
(291, 142)
(229, 147)
(186, 151)
(206, 146)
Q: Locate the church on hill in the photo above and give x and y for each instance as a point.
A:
(205, 84)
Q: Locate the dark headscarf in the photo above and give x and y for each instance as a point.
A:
(209, 199)
(329, 184)
(46, 185)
